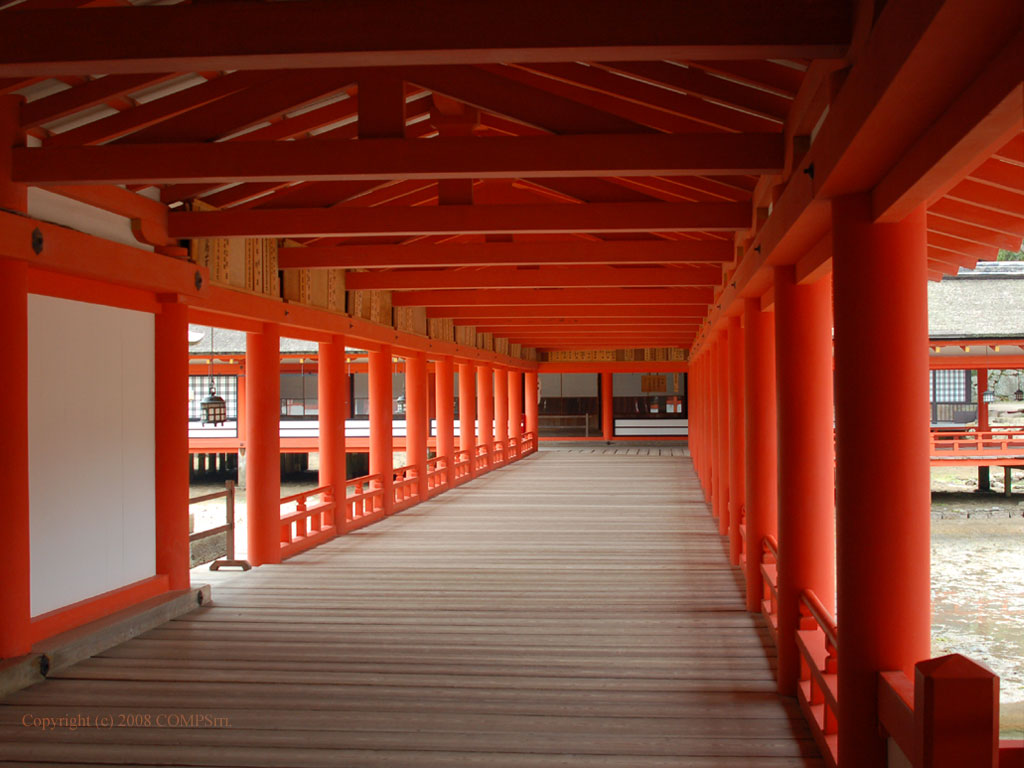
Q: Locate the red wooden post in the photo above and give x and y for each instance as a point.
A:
(761, 447)
(722, 428)
(467, 411)
(607, 407)
(515, 404)
(803, 361)
(956, 714)
(445, 406)
(333, 399)
(263, 453)
(382, 460)
(485, 404)
(417, 423)
(714, 469)
(501, 407)
(531, 391)
(736, 446)
(882, 462)
(171, 444)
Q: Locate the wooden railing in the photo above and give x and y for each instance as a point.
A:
(513, 448)
(528, 443)
(308, 524)
(769, 574)
(364, 501)
(437, 475)
(229, 561)
(971, 444)
(463, 466)
(406, 487)
(818, 643)
(482, 459)
(498, 454)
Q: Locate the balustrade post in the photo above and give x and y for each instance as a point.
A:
(263, 445)
(880, 279)
(382, 460)
(956, 714)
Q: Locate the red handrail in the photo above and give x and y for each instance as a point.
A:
(308, 524)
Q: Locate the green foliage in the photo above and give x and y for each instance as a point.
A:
(1005, 255)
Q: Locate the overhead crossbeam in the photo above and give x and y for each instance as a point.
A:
(508, 254)
(440, 158)
(549, 296)
(391, 33)
(542, 277)
(481, 315)
(463, 219)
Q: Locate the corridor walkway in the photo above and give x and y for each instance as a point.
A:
(573, 609)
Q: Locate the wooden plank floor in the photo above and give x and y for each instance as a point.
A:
(574, 609)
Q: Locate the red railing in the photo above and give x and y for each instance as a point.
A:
(513, 448)
(406, 486)
(528, 443)
(364, 500)
(498, 454)
(970, 444)
(769, 574)
(463, 466)
(482, 459)
(818, 643)
(308, 524)
(437, 475)
(743, 539)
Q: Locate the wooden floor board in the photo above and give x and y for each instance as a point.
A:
(575, 609)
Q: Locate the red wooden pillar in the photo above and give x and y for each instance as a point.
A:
(501, 405)
(803, 365)
(722, 427)
(333, 399)
(531, 391)
(171, 444)
(485, 404)
(700, 404)
(445, 407)
(714, 469)
(15, 553)
(263, 451)
(882, 461)
(983, 425)
(607, 407)
(382, 408)
(760, 441)
(736, 446)
(417, 419)
(515, 404)
(467, 409)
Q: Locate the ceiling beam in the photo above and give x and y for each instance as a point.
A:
(484, 314)
(521, 157)
(508, 254)
(534, 277)
(393, 32)
(463, 220)
(556, 296)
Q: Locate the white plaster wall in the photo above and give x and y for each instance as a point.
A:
(91, 449)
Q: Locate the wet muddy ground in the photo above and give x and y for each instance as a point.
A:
(977, 572)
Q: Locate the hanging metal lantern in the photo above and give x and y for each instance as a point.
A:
(215, 410)
(1018, 395)
(988, 396)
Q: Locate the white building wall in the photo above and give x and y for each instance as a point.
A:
(91, 450)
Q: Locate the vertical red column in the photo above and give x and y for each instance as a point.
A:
(263, 451)
(417, 419)
(333, 398)
(501, 405)
(983, 425)
(445, 406)
(882, 461)
(15, 553)
(382, 408)
(736, 445)
(531, 391)
(607, 407)
(722, 427)
(467, 410)
(515, 404)
(171, 444)
(760, 441)
(714, 470)
(485, 404)
(803, 364)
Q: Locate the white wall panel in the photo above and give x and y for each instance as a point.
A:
(91, 449)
